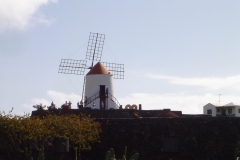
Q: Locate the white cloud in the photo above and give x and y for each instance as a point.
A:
(34, 101)
(188, 104)
(192, 103)
(15, 14)
(58, 98)
(231, 83)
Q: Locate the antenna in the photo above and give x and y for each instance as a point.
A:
(219, 97)
(95, 47)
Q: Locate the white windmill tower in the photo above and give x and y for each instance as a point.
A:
(98, 88)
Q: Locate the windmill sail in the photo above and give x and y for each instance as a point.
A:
(70, 66)
(117, 70)
(95, 47)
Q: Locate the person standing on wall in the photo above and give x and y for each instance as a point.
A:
(102, 105)
(81, 104)
(107, 91)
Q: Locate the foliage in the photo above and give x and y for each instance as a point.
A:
(110, 155)
(41, 154)
(39, 106)
(17, 131)
(237, 151)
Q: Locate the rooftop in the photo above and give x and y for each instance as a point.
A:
(99, 68)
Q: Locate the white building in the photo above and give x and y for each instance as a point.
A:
(216, 109)
(99, 91)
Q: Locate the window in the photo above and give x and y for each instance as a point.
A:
(238, 110)
(209, 111)
(218, 110)
(229, 110)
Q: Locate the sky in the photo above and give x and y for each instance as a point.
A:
(176, 54)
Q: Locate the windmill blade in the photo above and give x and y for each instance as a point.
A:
(95, 47)
(70, 66)
(117, 70)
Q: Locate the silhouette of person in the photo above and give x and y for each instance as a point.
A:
(102, 105)
(107, 92)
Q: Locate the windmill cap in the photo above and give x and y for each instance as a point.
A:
(99, 68)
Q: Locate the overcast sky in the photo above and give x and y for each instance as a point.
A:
(177, 54)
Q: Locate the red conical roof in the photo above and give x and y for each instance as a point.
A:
(98, 69)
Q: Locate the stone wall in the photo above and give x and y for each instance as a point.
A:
(164, 138)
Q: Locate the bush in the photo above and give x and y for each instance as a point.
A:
(17, 131)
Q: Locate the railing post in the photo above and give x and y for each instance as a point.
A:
(140, 107)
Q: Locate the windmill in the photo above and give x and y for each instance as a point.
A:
(98, 92)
